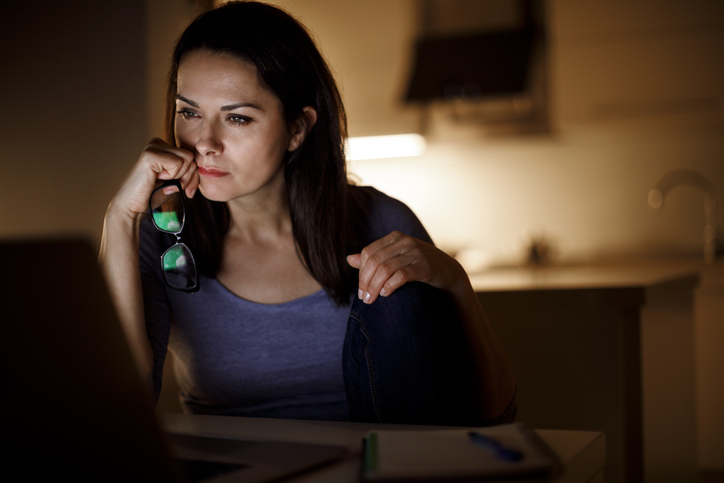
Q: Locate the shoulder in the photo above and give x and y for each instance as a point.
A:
(370, 199)
(381, 214)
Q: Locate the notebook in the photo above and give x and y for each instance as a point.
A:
(480, 454)
(71, 402)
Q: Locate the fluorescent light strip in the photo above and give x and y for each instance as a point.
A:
(376, 147)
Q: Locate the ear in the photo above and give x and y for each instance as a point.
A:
(301, 127)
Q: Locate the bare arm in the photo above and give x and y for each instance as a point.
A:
(119, 261)
(494, 371)
(119, 257)
(390, 262)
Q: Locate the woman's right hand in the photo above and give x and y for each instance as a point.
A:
(119, 254)
(158, 162)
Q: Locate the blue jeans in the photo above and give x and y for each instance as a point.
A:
(406, 360)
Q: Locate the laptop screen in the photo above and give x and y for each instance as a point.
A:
(72, 402)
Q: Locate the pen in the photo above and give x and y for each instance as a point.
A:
(495, 447)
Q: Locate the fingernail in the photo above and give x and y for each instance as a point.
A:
(382, 292)
(359, 294)
(367, 297)
(193, 192)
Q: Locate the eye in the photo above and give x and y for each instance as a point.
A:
(186, 114)
(238, 119)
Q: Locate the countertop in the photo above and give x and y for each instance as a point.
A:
(619, 274)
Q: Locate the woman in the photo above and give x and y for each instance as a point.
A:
(317, 299)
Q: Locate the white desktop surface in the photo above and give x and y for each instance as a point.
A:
(583, 453)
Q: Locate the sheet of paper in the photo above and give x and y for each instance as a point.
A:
(433, 454)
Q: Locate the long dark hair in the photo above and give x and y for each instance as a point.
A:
(289, 64)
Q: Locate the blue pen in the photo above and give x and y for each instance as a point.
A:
(495, 447)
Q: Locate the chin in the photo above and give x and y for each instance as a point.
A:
(213, 194)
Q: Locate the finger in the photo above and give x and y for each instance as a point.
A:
(190, 180)
(168, 162)
(390, 276)
(354, 260)
(170, 165)
(377, 245)
(397, 280)
(373, 259)
(193, 185)
(188, 168)
(164, 164)
(159, 145)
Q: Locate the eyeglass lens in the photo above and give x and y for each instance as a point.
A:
(179, 267)
(167, 210)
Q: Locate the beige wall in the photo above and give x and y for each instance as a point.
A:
(586, 194)
(73, 102)
(81, 95)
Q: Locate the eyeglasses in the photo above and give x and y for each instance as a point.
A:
(168, 213)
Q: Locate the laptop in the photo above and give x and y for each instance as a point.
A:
(71, 401)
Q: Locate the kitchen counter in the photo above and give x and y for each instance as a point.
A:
(606, 347)
(566, 277)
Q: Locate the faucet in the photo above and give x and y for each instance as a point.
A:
(679, 177)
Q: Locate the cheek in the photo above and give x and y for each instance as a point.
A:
(269, 144)
(182, 137)
(281, 140)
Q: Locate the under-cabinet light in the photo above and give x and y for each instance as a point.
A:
(393, 146)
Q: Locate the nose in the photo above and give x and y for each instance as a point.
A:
(209, 143)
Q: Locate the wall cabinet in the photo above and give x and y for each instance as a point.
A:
(631, 62)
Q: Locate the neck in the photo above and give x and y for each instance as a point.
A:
(262, 216)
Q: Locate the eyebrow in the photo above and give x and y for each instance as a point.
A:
(230, 107)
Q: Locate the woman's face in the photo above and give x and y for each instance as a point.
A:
(233, 125)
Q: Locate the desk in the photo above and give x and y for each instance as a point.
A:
(582, 452)
(605, 348)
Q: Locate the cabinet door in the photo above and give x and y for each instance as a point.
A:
(615, 62)
(709, 361)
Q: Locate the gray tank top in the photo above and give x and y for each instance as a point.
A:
(251, 359)
(236, 357)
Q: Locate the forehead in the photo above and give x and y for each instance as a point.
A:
(206, 74)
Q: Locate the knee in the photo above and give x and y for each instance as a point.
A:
(407, 355)
(414, 303)
(417, 319)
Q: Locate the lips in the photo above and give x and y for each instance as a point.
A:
(209, 172)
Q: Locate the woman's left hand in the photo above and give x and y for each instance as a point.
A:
(396, 259)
